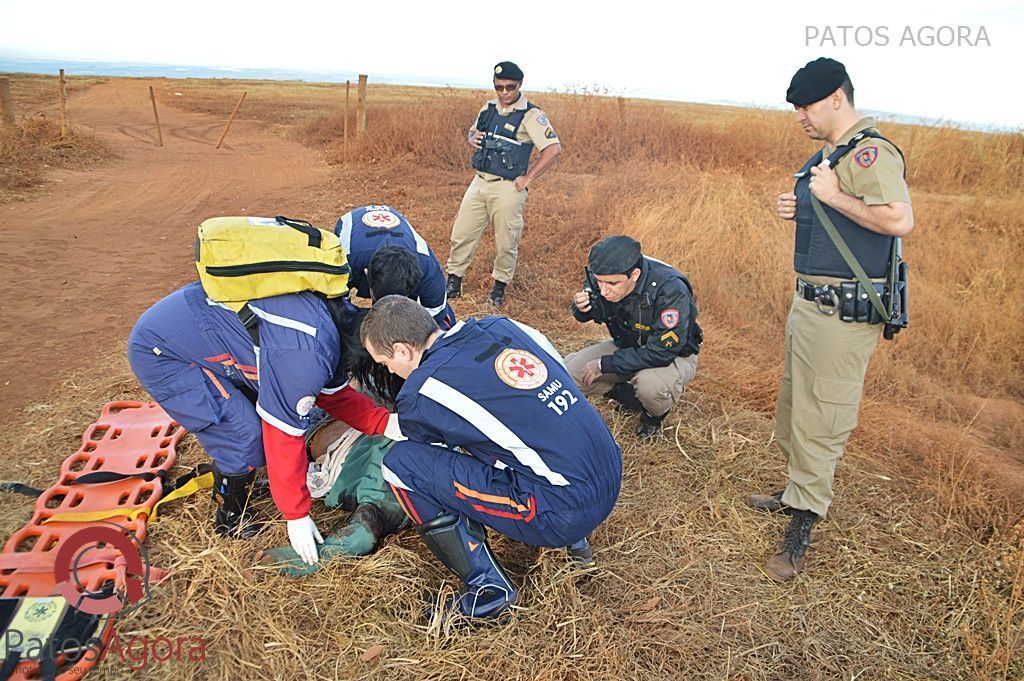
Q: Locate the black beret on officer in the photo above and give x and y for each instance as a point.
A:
(815, 81)
(615, 255)
(508, 71)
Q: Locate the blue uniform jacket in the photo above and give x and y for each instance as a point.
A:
(499, 390)
(364, 230)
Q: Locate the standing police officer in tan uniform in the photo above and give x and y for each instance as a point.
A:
(865, 197)
(505, 133)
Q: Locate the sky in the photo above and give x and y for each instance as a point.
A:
(719, 51)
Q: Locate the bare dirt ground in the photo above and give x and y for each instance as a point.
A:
(69, 291)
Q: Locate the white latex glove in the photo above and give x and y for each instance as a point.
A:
(304, 537)
(393, 430)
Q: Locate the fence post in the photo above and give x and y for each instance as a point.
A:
(6, 103)
(361, 108)
(63, 108)
(344, 127)
(228, 126)
(159, 132)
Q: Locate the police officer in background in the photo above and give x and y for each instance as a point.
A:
(858, 181)
(505, 133)
(651, 313)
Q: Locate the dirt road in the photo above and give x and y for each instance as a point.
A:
(120, 236)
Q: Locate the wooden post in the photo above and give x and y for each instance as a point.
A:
(6, 103)
(63, 108)
(228, 126)
(344, 127)
(159, 132)
(361, 108)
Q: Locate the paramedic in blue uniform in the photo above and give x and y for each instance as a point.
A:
(372, 237)
(249, 407)
(540, 465)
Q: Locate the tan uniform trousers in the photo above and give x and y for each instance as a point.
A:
(658, 388)
(822, 382)
(498, 203)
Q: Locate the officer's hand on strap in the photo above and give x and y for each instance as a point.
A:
(304, 536)
(786, 206)
(591, 371)
(474, 139)
(824, 182)
(582, 300)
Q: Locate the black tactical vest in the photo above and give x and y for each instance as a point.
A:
(815, 253)
(500, 153)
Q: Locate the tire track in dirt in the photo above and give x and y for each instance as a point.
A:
(93, 249)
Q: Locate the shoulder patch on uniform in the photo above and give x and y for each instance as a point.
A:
(866, 156)
(542, 119)
(520, 369)
(305, 405)
(669, 318)
(550, 133)
(381, 219)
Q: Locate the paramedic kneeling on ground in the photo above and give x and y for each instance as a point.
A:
(540, 465)
(195, 358)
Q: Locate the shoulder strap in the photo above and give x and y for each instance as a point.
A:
(849, 257)
(843, 150)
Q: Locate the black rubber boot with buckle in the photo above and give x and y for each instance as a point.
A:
(788, 559)
(624, 395)
(767, 503)
(454, 288)
(460, 543)
(649, 425)
(497, 296)
(234, 518)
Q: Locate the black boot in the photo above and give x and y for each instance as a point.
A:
(234, 518)
(454, 289)
(461, 544)
(788, 559)
(648, 425)
(625, 395)
(497, 296)
(581, 554)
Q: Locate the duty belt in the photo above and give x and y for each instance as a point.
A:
(826, 297)
(492, 179)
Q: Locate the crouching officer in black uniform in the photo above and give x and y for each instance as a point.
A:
(650, 311)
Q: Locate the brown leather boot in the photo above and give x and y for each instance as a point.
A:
(788, 559)
(767, 503)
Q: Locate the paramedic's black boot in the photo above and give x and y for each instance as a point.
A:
(461, 544)
(624, 395)
(581, 554)
(234, 518)
(649, 425)
(497, 297)
(454, 288)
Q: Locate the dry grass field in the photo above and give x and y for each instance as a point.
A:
(918, 573)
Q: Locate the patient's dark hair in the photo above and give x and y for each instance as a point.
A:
(374, 379)
(394, 271)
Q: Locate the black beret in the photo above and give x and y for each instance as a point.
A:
(815, 81)
(615, 255)
(508, 70)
